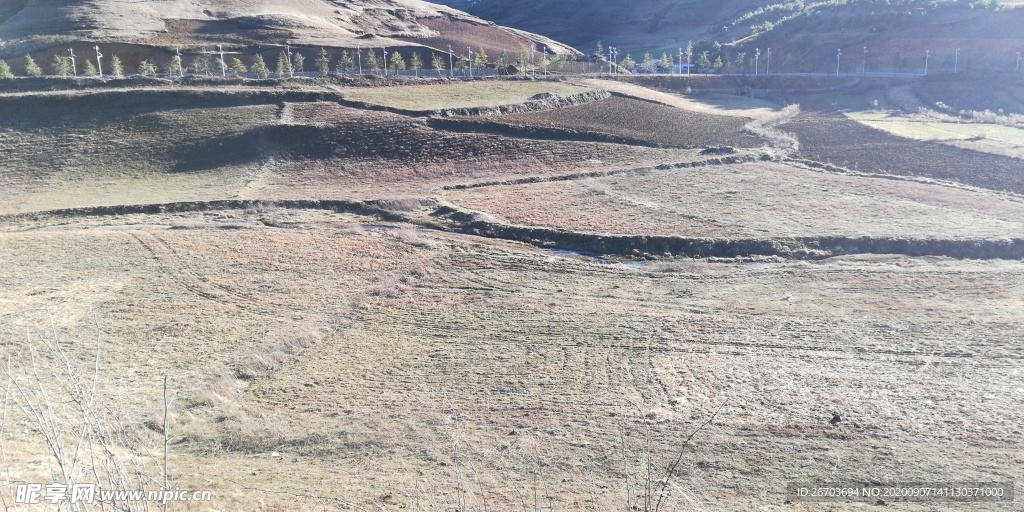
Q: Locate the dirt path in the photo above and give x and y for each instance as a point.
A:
(719, 104)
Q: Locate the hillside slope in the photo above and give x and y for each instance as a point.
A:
(34, 25)
(804, 35)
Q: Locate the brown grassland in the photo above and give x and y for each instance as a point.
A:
(334, 360)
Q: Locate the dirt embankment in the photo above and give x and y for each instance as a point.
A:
(632, 246)
(802, 248)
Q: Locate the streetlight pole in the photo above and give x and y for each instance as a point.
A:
(864, 62)
(956, 61)
(181, 69)
(359, 59)
(451, 62)
(927, 55)
(385, 50)
(681, 62)
(757, 57)
(469, 52)
(98, 57)
(224, 68)
(74, 70)
(768, 63)
(611, 59)
(839, 56)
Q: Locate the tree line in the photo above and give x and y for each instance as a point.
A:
(289, 64)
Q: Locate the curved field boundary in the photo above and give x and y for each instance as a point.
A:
(368, 208)
(535, 132)
(452, 219)
(802, 248)
(728, 160)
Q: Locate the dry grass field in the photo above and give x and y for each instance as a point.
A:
(326, 360)
(753, 200)
(458, 94)
(637, 120)
(404, 369)
(983, 137)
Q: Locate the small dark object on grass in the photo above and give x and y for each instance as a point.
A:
(835, 419)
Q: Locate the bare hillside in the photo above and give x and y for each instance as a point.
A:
(34, 25)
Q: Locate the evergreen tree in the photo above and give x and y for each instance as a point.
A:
(61, 66)
(284, 66)
(648, 63)
(31, 68)
(664, 63)
(480, 59)
(703, 62)
(323, 62)
(259, 67)
(147, 68)
(345, 63)
(461, 63)
(741, 59)
(600, 48)
(298, 63)
(501, 62)
(628, 63)
(371, 61)
(688, 53)
(237, 66)
(397, 62)
(718, 64)
(415, 63)
(523, 60)
(437, 62)
(5, 71)
(89, 69)
(174, 68)
(116, 69)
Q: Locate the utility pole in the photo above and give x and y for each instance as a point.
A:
(757, 57)
(74, 70)
(956, 61)
(839, 55)
(927, 55)
(385, 50)
(544, 52)
(611, 59)
(98, 57)
(681, 62)
(864, 62)
(451, 62)
(224, 68)
(359, 58)
(615, 56)
(181, 69)
(469, 51)
(768, 64)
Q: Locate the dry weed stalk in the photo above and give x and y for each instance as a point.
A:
(86, 442)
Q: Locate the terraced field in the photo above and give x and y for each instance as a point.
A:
(835, 139)
(753, 200)
(433, 369)
(362, 310)
(634, 120)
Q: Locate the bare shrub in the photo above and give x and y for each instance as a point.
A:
(86, 441)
